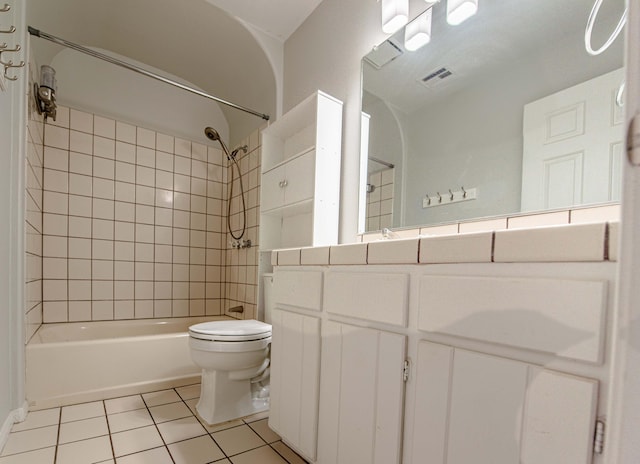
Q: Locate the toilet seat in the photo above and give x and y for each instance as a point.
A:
(231, 331)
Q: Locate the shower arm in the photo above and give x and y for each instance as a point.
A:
(101, 56)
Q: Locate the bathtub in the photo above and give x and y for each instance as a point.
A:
(88, 361)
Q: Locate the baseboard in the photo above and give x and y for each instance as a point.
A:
(17, 415)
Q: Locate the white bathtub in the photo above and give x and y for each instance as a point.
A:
(88, 361)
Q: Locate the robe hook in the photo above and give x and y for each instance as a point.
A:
(11, 30)
(5, 8)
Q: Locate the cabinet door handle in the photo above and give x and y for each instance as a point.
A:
(283, 183)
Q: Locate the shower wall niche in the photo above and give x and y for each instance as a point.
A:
(134, 224)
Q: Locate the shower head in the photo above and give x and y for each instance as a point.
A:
(213, 134)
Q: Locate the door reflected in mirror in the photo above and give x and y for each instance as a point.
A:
(508, 105)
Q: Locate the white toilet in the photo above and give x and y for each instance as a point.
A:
(234, 357)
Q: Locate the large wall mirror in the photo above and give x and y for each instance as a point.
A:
(504, 113)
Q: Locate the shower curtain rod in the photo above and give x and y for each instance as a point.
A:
(131, 67)
(384, 163)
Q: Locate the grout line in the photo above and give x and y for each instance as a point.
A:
(106, 418)
(55, 457)
(157, 429)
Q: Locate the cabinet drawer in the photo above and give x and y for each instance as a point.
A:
(562, 317)
(375, 297)
(302, 289)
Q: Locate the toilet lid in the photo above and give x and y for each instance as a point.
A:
(232, 331)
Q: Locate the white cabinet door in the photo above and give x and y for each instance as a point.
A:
(289, 183)
(272, 195)
(295, 372)
(299, 174)
(361, 395)
(475, 408)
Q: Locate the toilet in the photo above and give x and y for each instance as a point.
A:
(234, 358)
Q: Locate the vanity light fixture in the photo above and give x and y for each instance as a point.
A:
(395, 14)
(459, 11)
(418, 32)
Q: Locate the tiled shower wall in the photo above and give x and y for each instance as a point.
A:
(33, 220)
(133, 222)
(242, 264)
(380, 201)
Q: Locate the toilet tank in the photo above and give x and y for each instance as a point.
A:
(267, 284)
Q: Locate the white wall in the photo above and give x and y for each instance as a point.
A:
(12, 135)
(99, 87)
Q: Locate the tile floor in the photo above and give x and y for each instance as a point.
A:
(152, 428)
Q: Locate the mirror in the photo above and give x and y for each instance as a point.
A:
(504, 113)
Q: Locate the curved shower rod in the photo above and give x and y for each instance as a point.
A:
(131, 67)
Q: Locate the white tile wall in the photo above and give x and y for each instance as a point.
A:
(132, 222)
(241, 265)
(380, 201)
(35, 221)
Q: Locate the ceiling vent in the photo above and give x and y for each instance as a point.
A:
(436, 77)
(383, 54)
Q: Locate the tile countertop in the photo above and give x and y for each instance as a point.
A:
(589, 242)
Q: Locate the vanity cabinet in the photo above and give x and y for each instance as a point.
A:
(396, 364)
(300, 186)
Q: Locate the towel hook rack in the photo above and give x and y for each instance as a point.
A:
(9, 65)
(11, 30)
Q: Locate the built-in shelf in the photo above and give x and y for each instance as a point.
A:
(300, 186)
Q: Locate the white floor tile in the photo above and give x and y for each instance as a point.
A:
(129, 420)
(153, 456)
(169, 412)
(181, 429)
(37, 419)
(256, 417)
(83, 429)
(288, 453)
(135, 440)
(161, 397)
(126, 403)
(222, 426)
(200, 450)
(41, 456)
(29, 440)
(81, 452)
(82, 411)
(263, 455)
(189, 392)
(261, 427)
(237, 440)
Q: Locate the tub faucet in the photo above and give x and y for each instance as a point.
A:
(236, 309)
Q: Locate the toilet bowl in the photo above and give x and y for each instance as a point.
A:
(234, 358)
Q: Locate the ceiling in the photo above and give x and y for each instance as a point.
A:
(202, 42)
(278, 18)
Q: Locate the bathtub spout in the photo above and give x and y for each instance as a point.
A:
(236, 309)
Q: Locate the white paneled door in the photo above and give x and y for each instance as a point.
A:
(572, 146)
